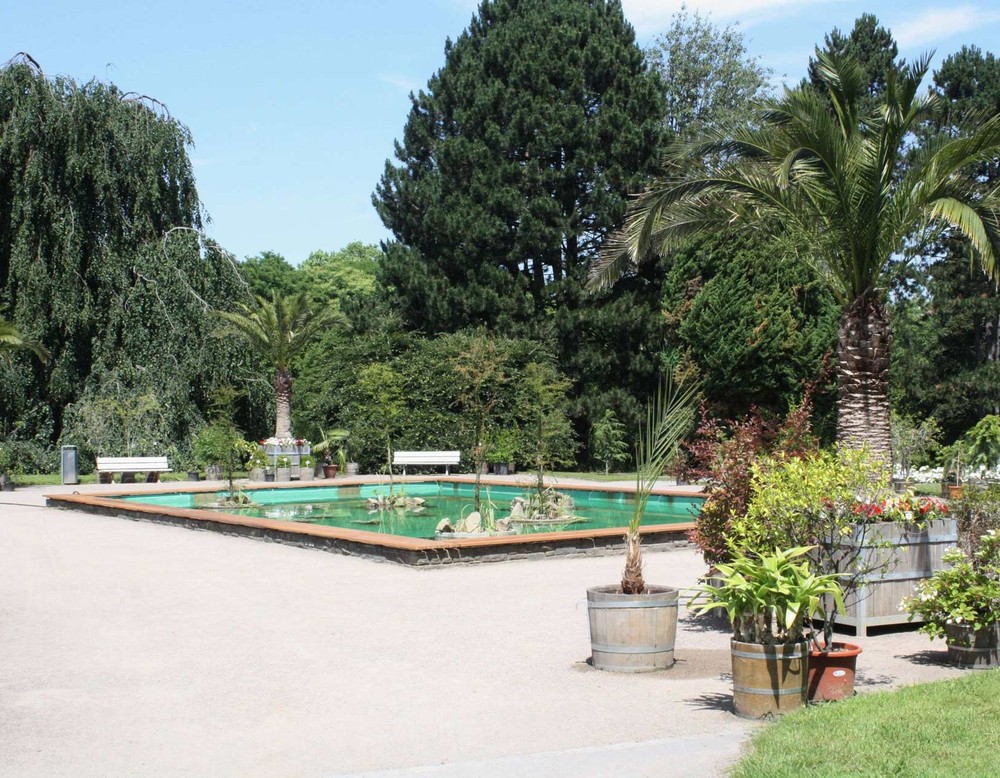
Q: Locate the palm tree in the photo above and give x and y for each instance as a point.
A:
(668, 419)
(279, 330)
(11, 339)
(850, 193)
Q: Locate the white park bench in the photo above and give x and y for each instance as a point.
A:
(446, 458)
(151, 466)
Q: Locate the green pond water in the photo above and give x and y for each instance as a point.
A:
(345, 506)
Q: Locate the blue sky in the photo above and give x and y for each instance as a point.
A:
(294, 106)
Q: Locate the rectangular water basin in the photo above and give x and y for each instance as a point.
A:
(337, 517)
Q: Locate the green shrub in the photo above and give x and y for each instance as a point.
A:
(977, 513)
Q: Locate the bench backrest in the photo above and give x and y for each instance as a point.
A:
(135, 464)
(426, 457)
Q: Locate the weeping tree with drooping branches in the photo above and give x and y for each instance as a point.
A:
(101, 257)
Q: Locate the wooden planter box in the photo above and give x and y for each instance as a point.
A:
(913, 553)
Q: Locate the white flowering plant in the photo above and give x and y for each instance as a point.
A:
(967, 593)
(285, 442)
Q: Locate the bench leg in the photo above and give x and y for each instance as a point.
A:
(446, 470)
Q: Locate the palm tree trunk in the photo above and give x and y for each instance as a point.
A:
(864, 341)
(632, 580)
(283, 404)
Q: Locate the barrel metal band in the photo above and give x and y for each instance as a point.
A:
(778, 692)
(640, 604)
(754, 655)
(631, 649)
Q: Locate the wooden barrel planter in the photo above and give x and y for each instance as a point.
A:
(912, 552)
(831, 673)
(632, 633)
(769, 680)
(973, 649)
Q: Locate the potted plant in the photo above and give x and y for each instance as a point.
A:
(633, 624)
(835, 503)
(185, 462)
(331, 444)
(257, 464)
(770, 600)
(283, 469)
(909, 440)
(502, 451)
(307, 467)
(211, 446)
(962, 604)
(954, 460)
(982, 444)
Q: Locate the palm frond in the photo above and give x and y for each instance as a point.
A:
(11, 339)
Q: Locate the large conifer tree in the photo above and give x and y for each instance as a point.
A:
(516, 161)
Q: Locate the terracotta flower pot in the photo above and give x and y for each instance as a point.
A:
(831, 673)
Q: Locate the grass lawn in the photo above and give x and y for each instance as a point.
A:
(947, 728)
(588, 476)
(54, 479)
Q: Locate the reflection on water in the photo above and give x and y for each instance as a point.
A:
(592, 511)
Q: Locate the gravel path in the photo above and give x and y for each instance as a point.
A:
(132, 648)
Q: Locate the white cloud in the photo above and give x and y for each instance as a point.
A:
(654, 15)
(403, 84)
(935, 24)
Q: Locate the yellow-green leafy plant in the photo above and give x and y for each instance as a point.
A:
(822, 501)
(770, 598)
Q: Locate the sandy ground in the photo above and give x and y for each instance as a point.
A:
(132, 648)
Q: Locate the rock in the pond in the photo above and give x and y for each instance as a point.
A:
(416, 502)
(504, 524)
(472, 523)
(517, 510)
(444, 526)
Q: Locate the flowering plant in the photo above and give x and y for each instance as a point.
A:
(284, 442)
(901, 508)
(967, 593)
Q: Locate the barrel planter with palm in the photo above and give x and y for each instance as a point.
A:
(770, 600)
(633, 624)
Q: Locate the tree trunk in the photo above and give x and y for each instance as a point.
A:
(283, 404)
(863, 346)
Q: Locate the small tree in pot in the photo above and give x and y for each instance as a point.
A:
(633, 624)
(331, 445)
